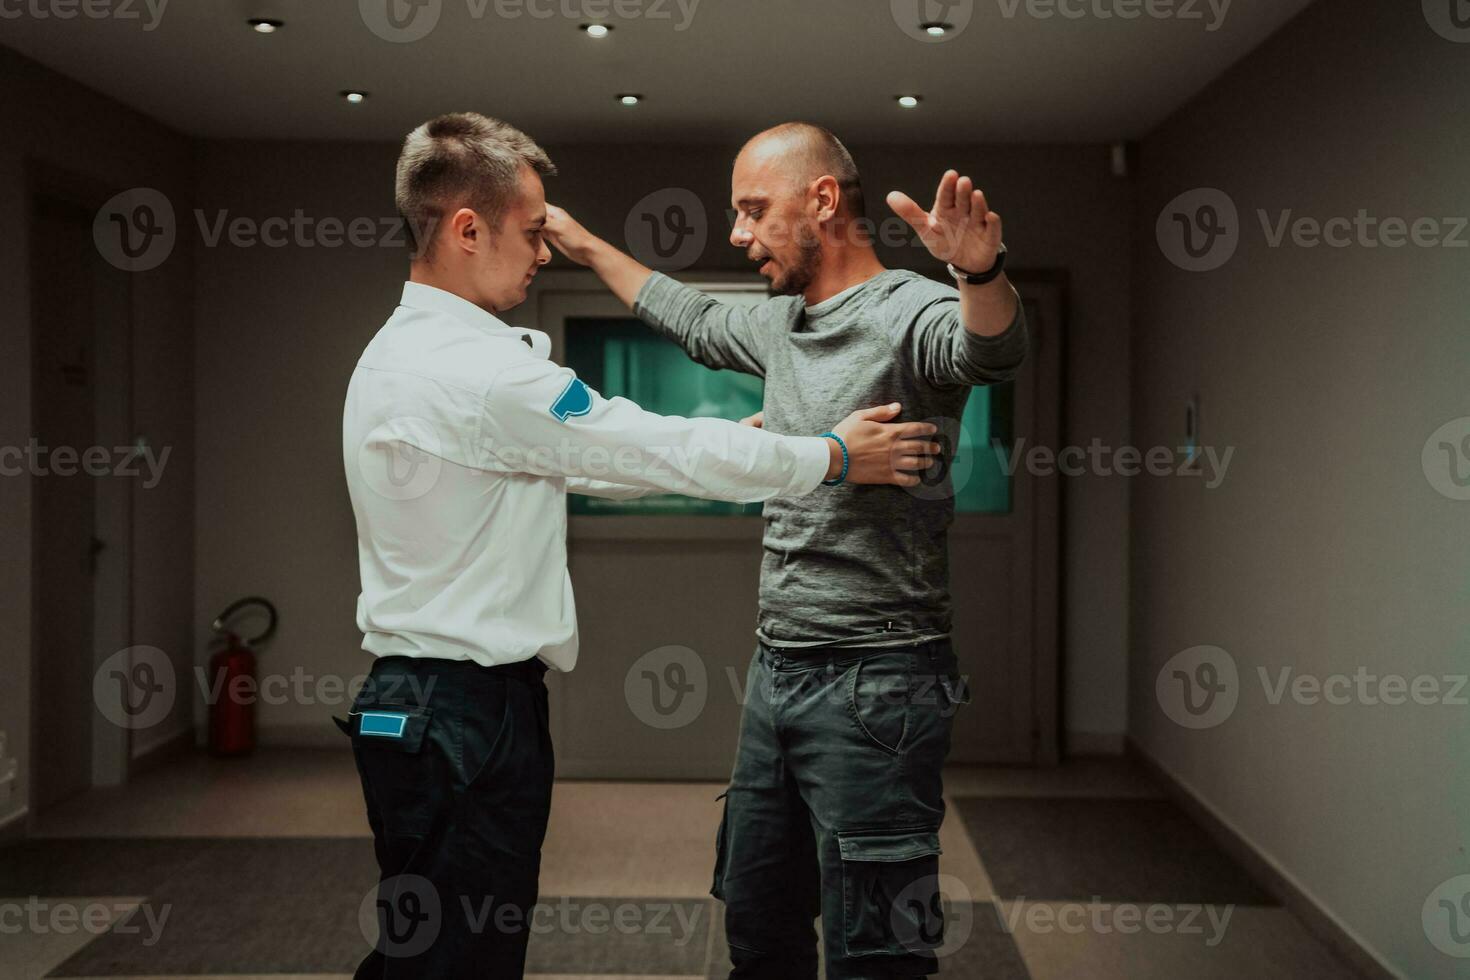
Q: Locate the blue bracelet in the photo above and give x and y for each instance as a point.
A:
(843, 475)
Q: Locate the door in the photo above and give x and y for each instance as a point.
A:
(1003, 567)
(666, 595)
(81, 508)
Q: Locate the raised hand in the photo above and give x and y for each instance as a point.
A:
(567, 236)
(621, 273)
(960, 228)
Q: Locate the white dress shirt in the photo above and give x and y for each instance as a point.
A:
(461, 439)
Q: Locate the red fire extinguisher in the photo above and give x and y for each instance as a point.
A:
(232, 681)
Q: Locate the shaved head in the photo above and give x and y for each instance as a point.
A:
(799, 208)
(803, 152)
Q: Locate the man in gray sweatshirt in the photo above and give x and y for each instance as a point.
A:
(836, 797)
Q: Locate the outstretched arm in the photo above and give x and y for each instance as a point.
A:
(622, 491)
(717, 335)
(619, 271)
(542, 419)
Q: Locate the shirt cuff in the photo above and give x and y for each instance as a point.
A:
(813, 457)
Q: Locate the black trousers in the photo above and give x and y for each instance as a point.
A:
(834, 808)
(456, 765)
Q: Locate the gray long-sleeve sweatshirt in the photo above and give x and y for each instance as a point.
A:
(858, 566)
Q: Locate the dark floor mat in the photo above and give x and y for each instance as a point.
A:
(256, 905)
(90, 866)
(274, 905)
(654, 936)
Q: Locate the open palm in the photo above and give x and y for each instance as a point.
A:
(960, 228)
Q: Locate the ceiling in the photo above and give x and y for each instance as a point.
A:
(711, 70)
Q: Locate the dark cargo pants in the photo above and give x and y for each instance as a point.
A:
(456, 766)
(834, 807)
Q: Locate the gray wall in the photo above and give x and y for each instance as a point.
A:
(1326, 549)
(279, 329)
(52, 125)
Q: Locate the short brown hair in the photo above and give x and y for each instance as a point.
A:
(461, 159)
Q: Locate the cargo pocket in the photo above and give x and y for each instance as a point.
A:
(890, 893)
(717, 886)
(389, 740)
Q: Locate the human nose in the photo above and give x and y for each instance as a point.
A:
(740, 236)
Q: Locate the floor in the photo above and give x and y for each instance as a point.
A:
(263, 867)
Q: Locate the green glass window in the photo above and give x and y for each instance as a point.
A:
(621, 356)
(984, 487)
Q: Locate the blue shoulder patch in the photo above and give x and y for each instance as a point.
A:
(575, 399)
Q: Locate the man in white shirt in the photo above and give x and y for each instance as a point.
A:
(461, 439)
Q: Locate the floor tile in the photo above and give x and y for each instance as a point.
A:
(273, 793)
(632, 839)
(49, 930)
(977, 946)
(1112, 778)
(1117, 850)
(1255, 943)
(960, 859)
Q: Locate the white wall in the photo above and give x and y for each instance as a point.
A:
(1326, 549)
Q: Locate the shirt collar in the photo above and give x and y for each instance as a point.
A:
(839, 299)
(420, 296)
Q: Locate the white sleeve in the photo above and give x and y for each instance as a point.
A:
(540, 418)
(608, 491)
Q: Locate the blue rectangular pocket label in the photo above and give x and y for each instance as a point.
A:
(385, 724)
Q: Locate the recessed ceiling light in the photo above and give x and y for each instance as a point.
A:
(263, 25)
(936, 28)
(630, 99)
(909, 101)
(597, 30)
(354, 97)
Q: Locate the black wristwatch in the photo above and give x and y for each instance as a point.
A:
(981, 278)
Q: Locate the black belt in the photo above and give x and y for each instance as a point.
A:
(533, 669)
